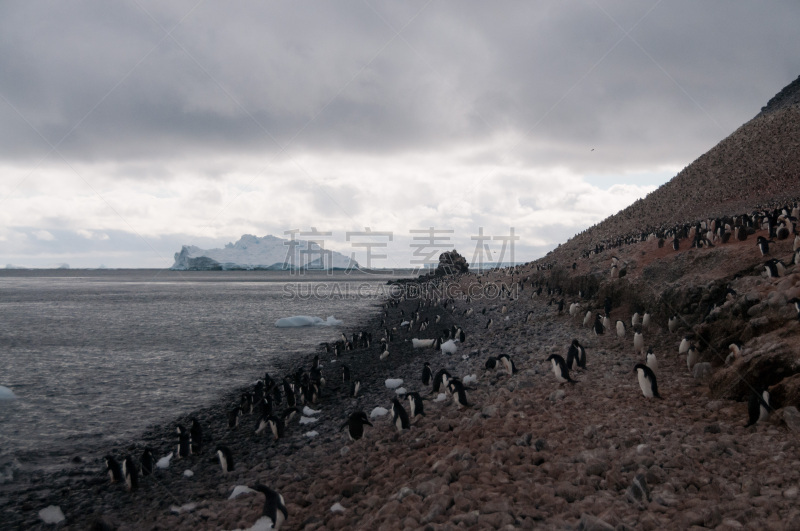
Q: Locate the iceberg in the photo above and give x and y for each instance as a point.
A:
(266, 253)
(306, 320)
(6, 393)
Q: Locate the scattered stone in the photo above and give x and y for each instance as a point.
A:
(593, 523)
(791, 416)
(702, 371)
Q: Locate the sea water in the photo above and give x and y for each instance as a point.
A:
(95, 357)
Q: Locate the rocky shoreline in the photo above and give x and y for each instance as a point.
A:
(529, 452)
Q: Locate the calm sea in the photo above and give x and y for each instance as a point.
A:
(95, 357)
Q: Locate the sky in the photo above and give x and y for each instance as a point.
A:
(129, 129)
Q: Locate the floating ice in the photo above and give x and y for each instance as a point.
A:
(7, 394)
(188, 473)
(306, 320)
(337, 508)
(164, 461)
(308, 412)
(307, 420)
(400, 390)
(470, 379)
(393, 383)
(51, 514)
(378, 412)
(312, 433)
(240, 489)
(441, 397)
(449, 347)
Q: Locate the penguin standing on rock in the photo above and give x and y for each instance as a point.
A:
(113, 469)
(508, 363)
(440, 379)
(647, 380)
(692, 357)
(355, 425)
(184, 439)
(427, 375)
(673, 323)
(560, 369)
(491, 363)
(651, 360)
(355, 387)
(147, 461)
(459, 393)
(620, 329)
(274, 506)
(758, 407)
(131, 473)
(638, 341)
(599, 329)
(225, 458)
(415, 404)
(399, 415)
(796, 302)
(196, 433)
(763, 245)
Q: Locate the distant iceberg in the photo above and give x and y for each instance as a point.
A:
(306, 320)
(266, 253)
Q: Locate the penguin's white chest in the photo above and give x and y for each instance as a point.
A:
(652, 362)
(557, 371)
(644, 384)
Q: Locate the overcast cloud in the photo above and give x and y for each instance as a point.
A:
(128, 129)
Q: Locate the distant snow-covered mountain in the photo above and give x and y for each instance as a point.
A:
(269, 252)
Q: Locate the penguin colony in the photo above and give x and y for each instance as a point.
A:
(269, 408)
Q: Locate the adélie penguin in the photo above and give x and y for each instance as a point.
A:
(560, 369)
(147, 461)
(355, 425)
(399, 415)
(131, 473)
(491, 363)
(274, 506)
(225, 458)
(415, 404)
(647, 380)
(508, 363)
(184, 440)
(651, 360)
(758, 407)
(196, 433)
(427, 375)
(113, 469)
(459, 393)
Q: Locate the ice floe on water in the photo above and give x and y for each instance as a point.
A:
(306, 320)
(6, 393)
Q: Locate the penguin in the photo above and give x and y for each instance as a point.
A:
(491, 363)
(684, 346)
(246, 401)
(647, 380)
(385, 352)
(277, 426)
(560, 369)
(775, 268)
(131, 473)
(225, 458)
(796, 302)
(345, 373)
(233, 417)
(459, 393)
(673, 322)
(461, 336)
(692, 357)
(758, 407)
(651, 361)
(288, 414)
(587, 319)
(638, 341)
(184, 440)
(288, 390)
(529, 316)
(415, 404)
(508, 363)
(620, 329)
(355, 425)
(440, 379)
(355, 387)
(274, 506)
(488, 324)
(606, 322)
(427, 375)
(196, 433)
(399, 415)
(599, 329)
(635, 320)
(113, 469)
(763, 245)
(576, 356)
(645, 320)
(734, 354)
(148, 462)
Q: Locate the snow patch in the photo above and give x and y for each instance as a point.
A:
(449, 347)
(51, 514)
(394, 383)
(307, 420)
(378, 412)
(308, 412)
(400, 390)
(441, 397)
(164, 461)
(188, 473)
(185, 508)
(470, 379)
(337, 508)
(312, 433)
(297, 321)
(239, 490)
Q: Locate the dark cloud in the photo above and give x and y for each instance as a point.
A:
(108, 83)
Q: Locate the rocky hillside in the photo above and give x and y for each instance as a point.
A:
(756, 166)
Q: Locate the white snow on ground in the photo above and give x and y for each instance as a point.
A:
(307, 420)
(52, 514)
(394, 383)
(449, 347)
(164, 461)
(470, 379)
(337, 508)
(441, 397)
(306, 320)
(378, 412)
(400, 390)
(240, 489)
(308, 412)
(313, 433)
